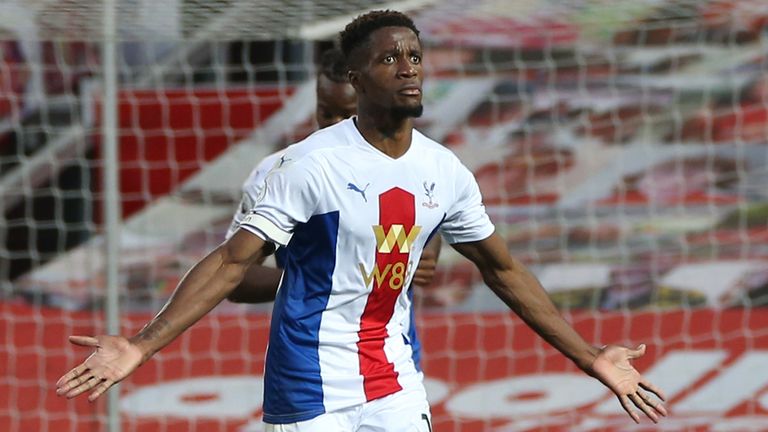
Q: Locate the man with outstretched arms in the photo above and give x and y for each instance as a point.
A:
(355, 204)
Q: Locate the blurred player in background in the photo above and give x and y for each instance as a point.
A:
(358, 202)
(336, 101)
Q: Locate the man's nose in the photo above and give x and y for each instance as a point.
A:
(407, 70)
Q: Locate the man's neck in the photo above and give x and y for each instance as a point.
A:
(391, 136)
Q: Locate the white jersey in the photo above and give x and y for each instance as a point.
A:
(355, 222)
(251, 188)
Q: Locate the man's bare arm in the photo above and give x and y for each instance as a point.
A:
(201, 289)
(258, 286)
(521, 291)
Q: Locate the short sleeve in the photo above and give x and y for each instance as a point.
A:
(246, 204)
(289, 196)
(466, 220)
(251, 189)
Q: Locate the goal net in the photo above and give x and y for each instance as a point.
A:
(621, 148)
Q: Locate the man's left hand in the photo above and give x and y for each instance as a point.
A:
(612, 366)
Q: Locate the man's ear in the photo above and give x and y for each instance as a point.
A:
(354, 79)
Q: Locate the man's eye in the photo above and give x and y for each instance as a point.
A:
(389, 59)
(416, 59)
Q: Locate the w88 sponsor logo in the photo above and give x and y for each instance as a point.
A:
(397, 240)
(394, 275)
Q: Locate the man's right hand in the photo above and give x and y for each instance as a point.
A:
(114, 359)
(202, 288)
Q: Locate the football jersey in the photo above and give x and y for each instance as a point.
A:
(355, 222)
(250, 190)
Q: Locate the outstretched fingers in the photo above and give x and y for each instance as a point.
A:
(637, 352)
(72, 374)
(656, 405)
(77, 380)
(86, 341)
(627, 405)
(614, 367)
(647, 385)
(73, 384)
(113, 358)
(104, 386)
(84, 386)
(644, 407)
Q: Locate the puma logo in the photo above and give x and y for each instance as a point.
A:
(283, 160)
(351, 186)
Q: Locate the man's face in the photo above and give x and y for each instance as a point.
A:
(391, 76)
(335, 101)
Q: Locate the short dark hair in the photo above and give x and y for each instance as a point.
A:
(357, 32)
(333, 66)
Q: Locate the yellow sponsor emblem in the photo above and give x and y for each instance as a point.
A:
(394, 275)
(385, 242)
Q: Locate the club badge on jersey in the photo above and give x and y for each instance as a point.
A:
(429, 191)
